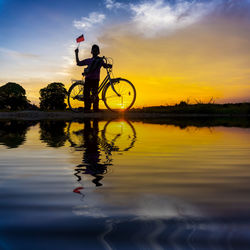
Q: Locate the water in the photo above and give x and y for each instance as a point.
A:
(161, 184)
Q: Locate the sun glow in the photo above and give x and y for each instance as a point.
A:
(171, 53)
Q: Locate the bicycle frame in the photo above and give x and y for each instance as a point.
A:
(104, 82)
(107, 80)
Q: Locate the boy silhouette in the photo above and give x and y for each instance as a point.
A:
(92, 76)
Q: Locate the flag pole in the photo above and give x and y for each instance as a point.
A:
(79, 39)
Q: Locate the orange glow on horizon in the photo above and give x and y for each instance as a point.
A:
(203, 61)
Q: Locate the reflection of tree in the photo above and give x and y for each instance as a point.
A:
(13, 133)
(201, 121)
(52, 133)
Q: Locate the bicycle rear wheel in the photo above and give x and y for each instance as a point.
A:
(124, 98)
(75, 96)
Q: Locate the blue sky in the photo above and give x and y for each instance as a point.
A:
(45, 29)
(37, 42)
(42, 21)
(26, 24)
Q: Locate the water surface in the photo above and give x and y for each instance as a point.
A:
(124, 185)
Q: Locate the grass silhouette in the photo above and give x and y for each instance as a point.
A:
(199, 108)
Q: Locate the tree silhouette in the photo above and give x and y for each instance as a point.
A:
(12, 97)
(52, 97)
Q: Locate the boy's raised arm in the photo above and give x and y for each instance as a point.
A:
(78, 62)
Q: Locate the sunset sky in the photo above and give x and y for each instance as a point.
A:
(171, 50)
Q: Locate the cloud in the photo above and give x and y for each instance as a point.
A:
(153, 18)
(207, 59)
(87, 22)
(17, 54)
(112, 4)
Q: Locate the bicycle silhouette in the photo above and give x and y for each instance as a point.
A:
(118, 94)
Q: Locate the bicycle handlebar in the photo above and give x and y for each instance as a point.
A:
(105, 59)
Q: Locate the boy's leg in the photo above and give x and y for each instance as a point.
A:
(86, 95)
(95, 85)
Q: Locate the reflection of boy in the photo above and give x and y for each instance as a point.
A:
(91, 156)
(92, 76)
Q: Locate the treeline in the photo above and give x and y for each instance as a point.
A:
(13, 97)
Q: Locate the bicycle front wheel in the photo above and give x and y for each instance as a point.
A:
(122, 97)
(75, 96)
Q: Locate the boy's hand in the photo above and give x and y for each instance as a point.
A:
(76, 50)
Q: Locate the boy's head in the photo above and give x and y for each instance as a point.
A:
(95, 51)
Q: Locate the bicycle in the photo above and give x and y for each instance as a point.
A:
(118, 94)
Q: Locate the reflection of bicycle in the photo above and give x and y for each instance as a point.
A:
(118, 94)
(115, 136)
(119, 135)
(98, 145)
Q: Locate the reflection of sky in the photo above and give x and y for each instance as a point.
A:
(171, 179)
(187, 49)
(190, 167)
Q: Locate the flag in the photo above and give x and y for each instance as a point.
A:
(80, 39)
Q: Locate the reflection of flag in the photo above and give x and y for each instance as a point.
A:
(80, 39)
(77, 190)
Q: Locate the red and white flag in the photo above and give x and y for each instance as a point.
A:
(80, 39)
